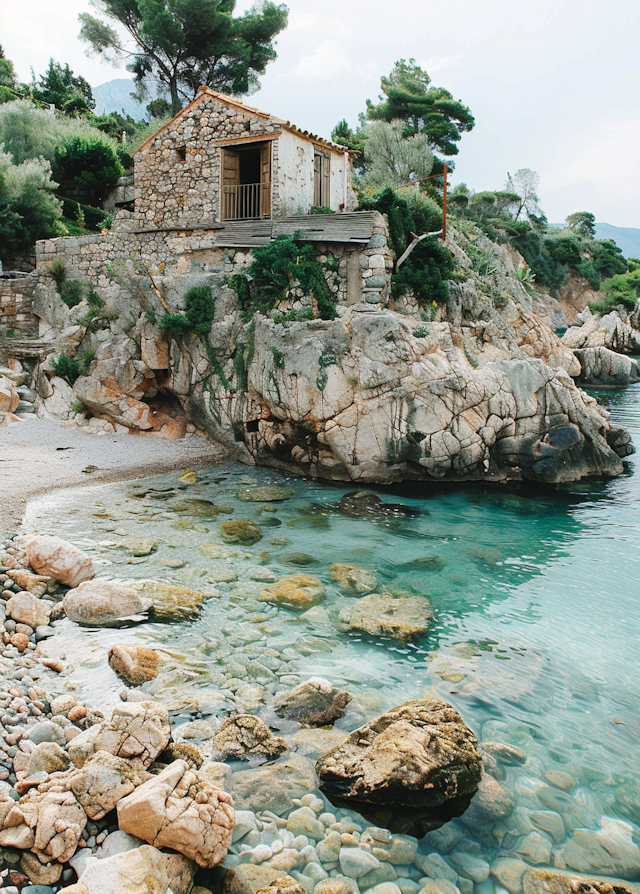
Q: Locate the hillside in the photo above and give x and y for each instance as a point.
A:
(626, 238)
(115, 96)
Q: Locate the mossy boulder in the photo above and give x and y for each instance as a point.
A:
(241, 531)
(169, 601)
(268, 494)
(295, 591)
(389, 616)
(353, 581)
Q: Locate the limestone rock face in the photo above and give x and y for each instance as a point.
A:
(181, 810)
(55, 557)
(295, 591)
(138, 731)
(316, 702)
(393, 617)
(104, 604)
(25, 608)
(395, 406)
(600, 366)
(353, 581)
(244, 737)
(136, 664)
(410, 770)
(609, 331)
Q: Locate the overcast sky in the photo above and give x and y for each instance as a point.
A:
(553, 84)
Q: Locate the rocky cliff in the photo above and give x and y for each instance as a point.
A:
(479, 389)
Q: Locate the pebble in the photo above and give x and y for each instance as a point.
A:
(355, 862)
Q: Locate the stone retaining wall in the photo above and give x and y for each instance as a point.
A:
(16, 303)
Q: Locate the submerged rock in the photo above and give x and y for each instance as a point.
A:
(353, 581)
(56, 558)
(136, 664)
(241, 531)
(270, 493)
(103, 604)
(410, 770)
(170, 602)
(180, 809)
(365, 504)
(315, 702)
(386, 615)
(273, 786)
(200, 508)
(295, 591)
(244, 737)
(557, 881)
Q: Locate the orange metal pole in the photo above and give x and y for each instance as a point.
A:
(444, 206)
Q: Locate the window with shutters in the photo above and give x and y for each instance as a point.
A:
(246, 181)
(321, 179)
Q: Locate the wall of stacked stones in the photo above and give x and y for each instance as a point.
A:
(16, 303)
(171, 189)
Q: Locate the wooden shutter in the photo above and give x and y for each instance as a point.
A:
(317, 179)
(265, 180)
(326, 181)
(230, 182)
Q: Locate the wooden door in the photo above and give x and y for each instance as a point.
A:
(326, 181)
(265, 180)
(230, 183)
(317, 179)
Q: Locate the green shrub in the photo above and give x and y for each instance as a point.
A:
(66, 368)
(71, 291)
(274, 269)
(58, 271)
(199, 311)
(623, 288)
(321, 209)
(586, 268)
(608, 259)
(86, 166)
(278, 358)
(548, 271)
(28, 208)
(565, 250)
(421, 332)
(294, 316)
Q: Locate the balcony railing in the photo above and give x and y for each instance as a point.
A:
(246, 201)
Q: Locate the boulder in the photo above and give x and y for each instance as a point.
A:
(103, 604)
(170, 602)
(47, 757)
(557, 881)
(411, 770)
(491, 803)
(39, 873)
(145, 870)
(54, 557)
(138, 731)
(609, 331)
(102, 782)
(245, 737)
(180, 809)
(25, 608)
(275, 785)
(295, 591)
(283, 885)
(390, 616)
(353, 581)
(136, 664)
(366, 504)
(316, 702)
(247, 878)
(600, 366)
(50, 824)
(32, 583)
(241, 531)
(608, 850)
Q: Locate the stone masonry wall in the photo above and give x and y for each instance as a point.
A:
(16, 302)
(168, 189)
(354, 272)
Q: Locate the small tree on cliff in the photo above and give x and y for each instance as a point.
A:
(182, 44)
(584, 223)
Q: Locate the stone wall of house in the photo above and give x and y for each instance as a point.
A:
(355, 273)
(170, 189)
(16, 303)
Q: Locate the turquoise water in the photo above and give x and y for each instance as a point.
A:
(535, 637)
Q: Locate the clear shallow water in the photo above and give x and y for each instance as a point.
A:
(535, 637)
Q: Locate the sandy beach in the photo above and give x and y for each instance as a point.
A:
(40, 455)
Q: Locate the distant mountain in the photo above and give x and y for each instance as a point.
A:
(626, 238)
(115, 96)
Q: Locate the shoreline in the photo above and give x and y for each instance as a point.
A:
(40, 456)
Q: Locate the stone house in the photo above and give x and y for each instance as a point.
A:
(221, 160)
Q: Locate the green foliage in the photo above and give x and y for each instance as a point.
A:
(278, 358)
(68, 93)
(326, 359)
(524, 184)
(321, 209)
(87, 166)
(350, 139)
(421, 332)
(57, 271)
(158, 108)
(115, 125)
(78, 407)
(622, 288)
(608, 259)
(83, 215)
(430, 264)
(393, 158)
(525, 275)
(66, 368)
(432, 111)
(29, 132)
(547, 270)
(28, 207)
(583, 222)
(185, 43)
(565, 250)
(71, 291)
(98, 316)
(274, 269)
(7, 72)
(585, 268)
(294, 316)
(199, 311)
